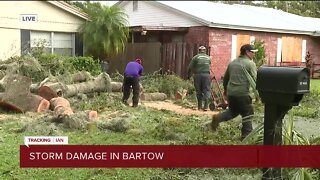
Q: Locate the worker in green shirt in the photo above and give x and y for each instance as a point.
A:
(200, 67)
(236, 83)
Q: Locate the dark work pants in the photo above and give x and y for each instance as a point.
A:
(127, 83)
(202, 83)
(239, 105)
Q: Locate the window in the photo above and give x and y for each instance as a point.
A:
(41, 40)
(62, 44)
(54, 42)
(291, 50)
(237, 41)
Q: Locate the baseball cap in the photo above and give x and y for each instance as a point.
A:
(138, 60)
(202, 48)
(248, 47)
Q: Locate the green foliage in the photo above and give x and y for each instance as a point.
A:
(156, 82)
(302, 8)
(260, 56)
(59, 65)
(99, 102)
(55, 64)
(86, 64)
(290, 137)
(168, 84)
(106, 33)
(309, 106)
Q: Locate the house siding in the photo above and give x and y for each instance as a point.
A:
(220, 42)
(148, 13)
(49, 18)
(313, 46)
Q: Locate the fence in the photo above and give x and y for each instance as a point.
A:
(172, 58)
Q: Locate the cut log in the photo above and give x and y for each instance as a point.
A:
(153, 96)
(60, 106)
(17, 95)
(92, 115)
(44, 105)
(47, 93)
(81, 76)
(117, 87)
(180, 95)
(58, 86)
(101, 83)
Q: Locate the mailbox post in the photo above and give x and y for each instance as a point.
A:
(280, 88)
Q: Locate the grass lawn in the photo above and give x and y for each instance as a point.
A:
(145, 126)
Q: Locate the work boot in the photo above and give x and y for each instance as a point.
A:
(199, 105)
(205, 106)
(125, 102)
(215, 122)
(244, 135)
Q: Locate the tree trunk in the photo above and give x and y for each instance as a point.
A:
(101, 83)
(153, 96)
(81, 76)
(117, 87)
(17, 95)
(60, 106)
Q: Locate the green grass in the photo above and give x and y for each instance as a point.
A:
(310, 103)
(315, 85)
(147, 126)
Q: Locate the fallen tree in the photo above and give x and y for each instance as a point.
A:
(17, 96)
(153, 96)
(117, 87)
(50, 89)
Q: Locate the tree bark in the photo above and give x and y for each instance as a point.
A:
(153, 96)
(117, 87)
(101, 83)
(61, 106)
(81, 76)
(17, 95)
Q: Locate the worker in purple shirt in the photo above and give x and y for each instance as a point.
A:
(131, 78)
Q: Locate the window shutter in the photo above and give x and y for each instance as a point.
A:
(304, 47)
(233, 47)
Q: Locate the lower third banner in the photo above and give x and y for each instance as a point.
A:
(168, 156)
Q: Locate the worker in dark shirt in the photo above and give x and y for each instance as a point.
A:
(200, 66)
(236, 83)
(131, 78)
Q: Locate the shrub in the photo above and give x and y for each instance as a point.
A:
(86, 64)
(167, 84)
(58, 65)
(260, 56)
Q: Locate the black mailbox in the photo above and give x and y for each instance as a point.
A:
(282, 85)
(280, 88)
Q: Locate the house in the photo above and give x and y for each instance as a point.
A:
(224, 28)
(51, 24)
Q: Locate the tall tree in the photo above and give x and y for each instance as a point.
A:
(107, 32)
(302, 8)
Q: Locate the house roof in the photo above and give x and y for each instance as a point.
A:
(243, 17)
(69, 8)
